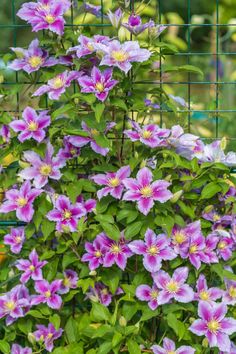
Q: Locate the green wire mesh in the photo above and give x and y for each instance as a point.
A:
(210, 109)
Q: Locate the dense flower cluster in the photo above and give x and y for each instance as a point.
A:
(123, 222)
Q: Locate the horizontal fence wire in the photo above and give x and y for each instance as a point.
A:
(218, 85)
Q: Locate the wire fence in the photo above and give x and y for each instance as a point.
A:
(210, 101)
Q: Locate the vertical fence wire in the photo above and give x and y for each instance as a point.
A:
(188, 62)
(217, 71)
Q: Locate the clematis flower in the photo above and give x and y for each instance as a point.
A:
(113, 182)
(100, 293)
(15, 239)
(69, 282)
(32, 59)
(232, 349)
(229, 297)
(44, 14)
(32, 268)
(95, 252)
(169, 348)
(214, 325)
(42, 169)
(146, 192)
(149, 103)
(21, 201)
(48, 335)
(149, 294)
(204, 293)
(5, 133)
(14, 304)
(173, 288)
(151, 135)
(65, 214)
(89, 205)
(135, 25)
(17, 349)
(214, 152)
(99, 83)
(115, 251)
(32, 125)
(155, 248)
(47, 294)
(156, 30)
(115, 17)
(209, 251)
(180, 236)
(122, 55)
(69, 151)
(224, 248)
(86, 45)
(92, 9)
(57, 86)
(80, 141)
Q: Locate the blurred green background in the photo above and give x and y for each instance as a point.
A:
(201, 41)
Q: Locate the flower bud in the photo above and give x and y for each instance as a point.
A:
(76, 100)
(122, 321)
(31, 338)
(93, 273)
(122, 34)
(143, 164)
(23, 164)
(205, 343)
(191, 320)
(223, 143)
(58, 234)
(208, 209)
(168, 178)
(1, 79)
(176, 196)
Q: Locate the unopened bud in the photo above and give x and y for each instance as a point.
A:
(31, 338)
(1, 79)
(58, 234)
(76, 100)
(93, 273)
(122, 34)
(122, 321)
(205, 343)
(168, 178)
(176, 196)
(223, 143)
(191, 320)
(143, 164)
(208, 209)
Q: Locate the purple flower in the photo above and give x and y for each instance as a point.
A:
(14, 304)
(42, 169)
(156, 30)
(173, 288)
(151, 135)
(178, 100)
(47, 294)
(155, 249)
(92, 9)
(47, 335)
(115, 17)
(180, 236)
(224, 248)
(170, 348)
(214, 325)
(209, 251)
(32, 268)
(45, 14)
(66, 214)
(232, 349)
(149, 294)
(57, 86)
(135, 25)
(80, 141)
(145, 192)
(95, 252)
(229, 297)
(69, 151)
(15, 239)
(86, 45)
(69, 282)
(89, 204)
(5, 133)
(214, 153)
(122, 55)
(99, 83)
(32, 59)
(204, 293)
(115, 251)
(112, 181)
(21, 201)
(100, 293)
(149, 103)
(32, 125)
(17, 349)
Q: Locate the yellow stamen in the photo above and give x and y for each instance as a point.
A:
(21, 202)
(179, 237)
(193, 249)
(171, 352)
(50, 335)
(119, 55)
(49, 19)
(221, 245)
(35, 61)
(213, 326)
(45, 170)
(18, 239)
(154, 294)
(115, 249)
(32, 126)
(31, 267)
(67, 214)
(90, 46)
(232, 291)
(66, 282)
(153, 250)
(204, 295)
(73, 151)
(58, 83)
(216, 217)
(172, 286)
(114, 182)
(100, 87)
(97, 254)
(94, 132)
(47, 294)
(104, 291)
(10, 305)
(146, 134)
(146, 191)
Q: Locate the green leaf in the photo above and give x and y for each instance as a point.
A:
(71, 330)
(133, 347)
(118, 102)
(4, 347)
(55, 320)
(25, 326)
(47, 228)
(178, 326)
(35, 313)
(133, 229)
(117, 338)
(63, 109)
(210, 190)
(99, 312)
(98, 110)
(111, 230)
(191, 69)
(73, 348)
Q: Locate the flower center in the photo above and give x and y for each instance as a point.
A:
(73, 151)
(66, 282)
(146, 134)
(47, 294)
(104, 291)
(119, 55)
(114, 182)
(67, 214)
(58, 83)
(213, 326)
(32, 126)
(31, 267)
(153, 250)
(21, 202)
(115, 249)
(171, 352)
(222, 245)
(179, 237)
(146, 191)
(50, 335)
(10, 305)
(193, 249)
(18, 239)
(90, 47)
(98, 254)
(35, 61)
(204, 295)
(49, 19)
(94, 132)
(172, 286)
(154, 294)
(99, 86)
(45, 170)
(232, 291)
